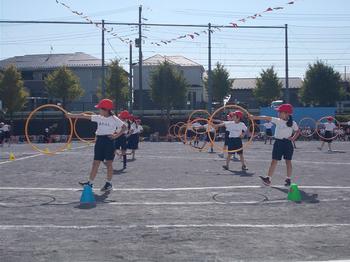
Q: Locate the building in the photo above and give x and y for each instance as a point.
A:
(242, 91)
(34, 69)
(192, 71)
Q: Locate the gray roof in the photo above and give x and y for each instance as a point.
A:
(49, 61)
(250, 83)
(175, 60)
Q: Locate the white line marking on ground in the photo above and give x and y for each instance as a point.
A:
(169, 189)
(160, 226)
(39, 154)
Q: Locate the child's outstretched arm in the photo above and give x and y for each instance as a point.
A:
(79, 116)
(266, 118)
(118, 134)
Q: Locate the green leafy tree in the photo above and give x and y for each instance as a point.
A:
(321, 85)
(268, 87)
(221, 83)
(63, 84)
(168, 87)
(12, 92)
(117, 85)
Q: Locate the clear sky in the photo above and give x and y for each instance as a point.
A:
(318, 29)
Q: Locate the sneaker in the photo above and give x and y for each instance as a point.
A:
(107, 187)
(221, 155)
(287, 182)
(85, 184)
(244, 168)
(266, 180)
(225, 167)
(319, 148)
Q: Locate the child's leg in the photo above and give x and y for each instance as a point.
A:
(322, 144)
(289, 168)
(272, 168)
(330, 146)
(94, 169)
(228, 158)
(241, 157)
(124, 158)
(133, 154)
(109, 164)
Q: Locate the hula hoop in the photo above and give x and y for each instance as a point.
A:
(178, 125)
(208, 134)
(318, 132)
(60, 149)
(197, 111)
(312, 120)
(76, 133)
(252, 131)
(170, 131)
(179, 136)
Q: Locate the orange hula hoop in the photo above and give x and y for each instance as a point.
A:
(197, 111)
(60, 149)
(76, 133)
(248, 116)
(207, 132)
(318, 132)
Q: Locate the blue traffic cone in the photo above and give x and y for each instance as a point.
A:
(87, 197)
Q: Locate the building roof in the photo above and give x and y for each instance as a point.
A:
(250, 83)
(48, 61)
(175, 60)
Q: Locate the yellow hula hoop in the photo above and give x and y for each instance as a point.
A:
(212, 117)
(206, 132)
(76, 133)
(318, 132)
(197, 111)
(60, 149)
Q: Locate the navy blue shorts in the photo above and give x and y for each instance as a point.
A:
(121, 143)
(235, 143)
(212, 137)
(282, 148)
(133, 142)
(227, 133)
(328, 137)
(268, 132)
(104, 148)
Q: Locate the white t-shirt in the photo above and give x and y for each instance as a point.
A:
(268, 125)
(106, 125)
(329, 126)
(135, 129)
(235, 129)
(6, 128)
(283, 131)
(211, 129)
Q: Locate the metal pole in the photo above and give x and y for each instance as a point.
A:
(103, 60)
(210, 87)
(130, 79)
(287, 67)
(140, 62)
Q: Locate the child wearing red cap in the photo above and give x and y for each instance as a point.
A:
(236, 130)
(107, 124)
(121, 141)
(283, 146)
(329, 127)
(134, 137)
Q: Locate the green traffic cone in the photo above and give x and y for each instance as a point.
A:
(294, 193)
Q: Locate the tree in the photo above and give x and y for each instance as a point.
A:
(64, 85)
(268, 87)
(168, 87)
(117, 84)
(12, 92)
(321, 85)
(221, 83)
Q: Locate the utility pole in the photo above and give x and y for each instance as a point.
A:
(103, 59)
(286, 62)
(140, 62)
(210, 87)
(130, 78)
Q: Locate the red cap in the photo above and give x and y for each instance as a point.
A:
(287, 108)
(105, 104)
(330, 118)
(124, 115)
(238, 114)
